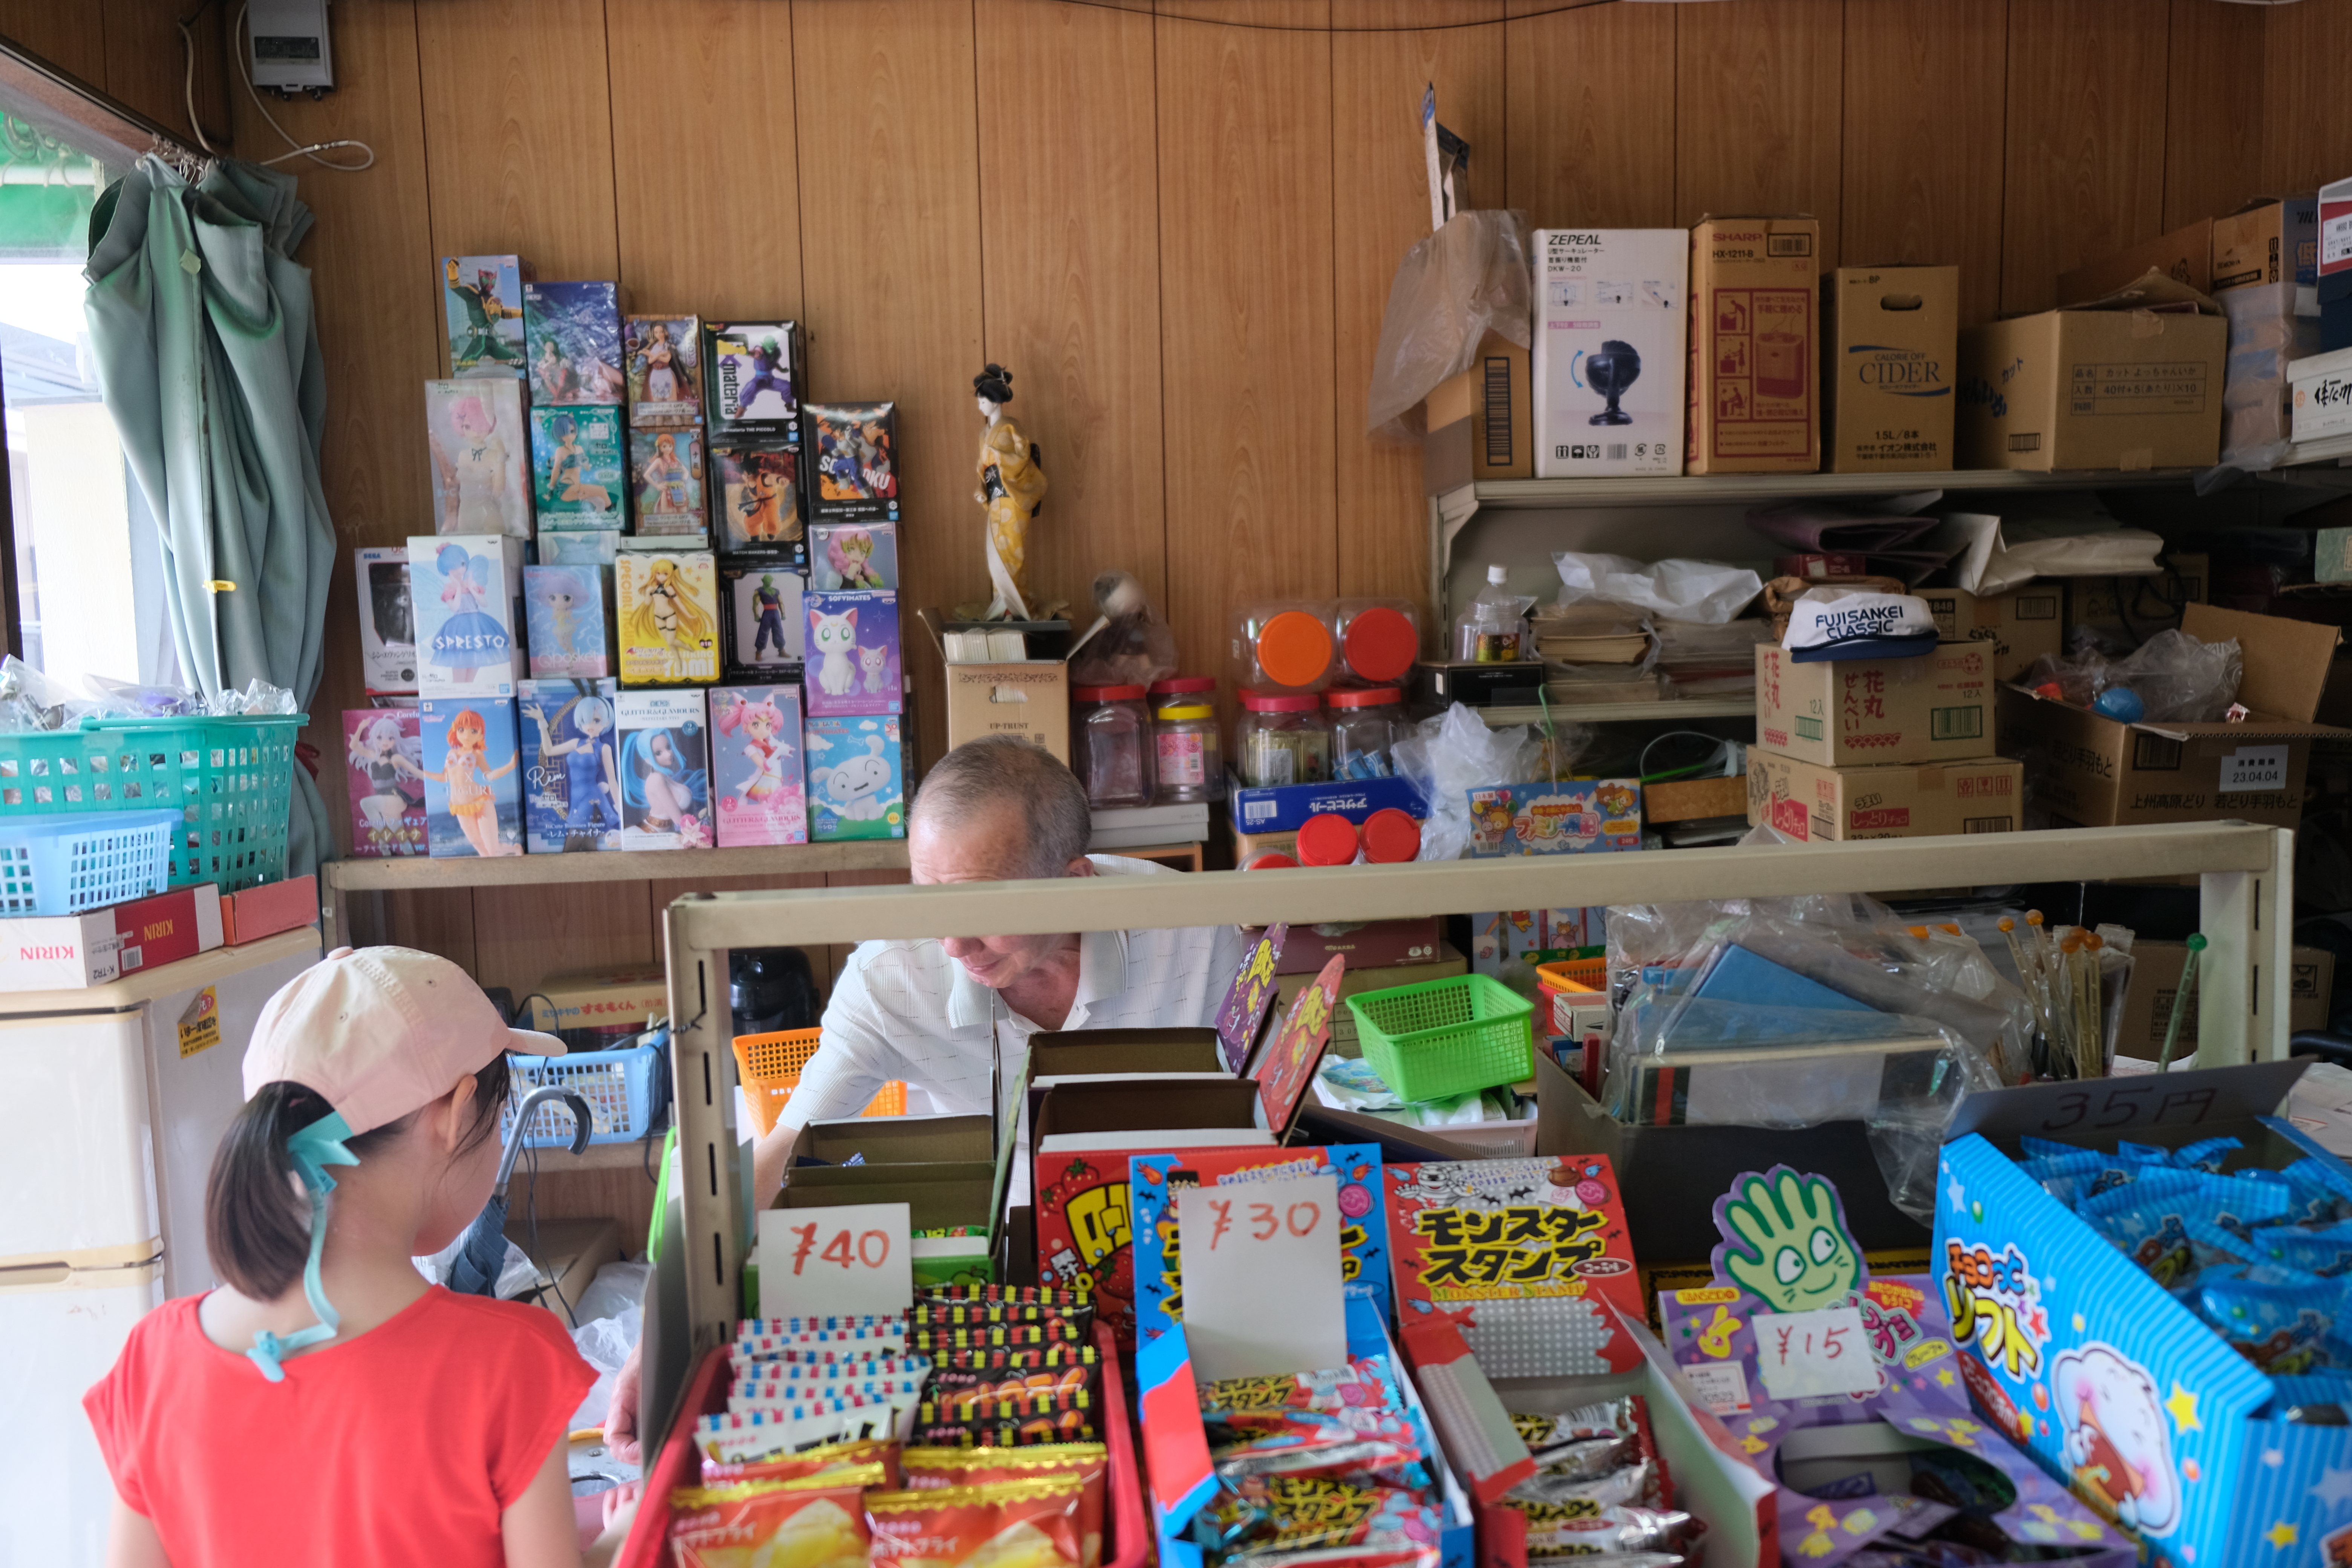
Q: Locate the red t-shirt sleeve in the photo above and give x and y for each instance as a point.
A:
(536, 1381)
(114, 1404)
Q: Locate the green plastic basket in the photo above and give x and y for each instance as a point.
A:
(1446, 1037)
(231, 779)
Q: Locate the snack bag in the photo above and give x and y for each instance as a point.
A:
(1269, 1514)
(930, 1469)
(831, 1459)
(1037, 1295)
(2286, 1324)
(956, 1388)
(1362, 1384)
(1316, 1444)
(2326, 1253)
(1614, 1534)
(815, 1522)
(1027, 1523)
(1634, 1485)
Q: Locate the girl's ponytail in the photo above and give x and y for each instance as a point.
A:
(257, 1218)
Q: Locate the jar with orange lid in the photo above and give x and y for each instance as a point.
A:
(1282, 737)
(1364, 725)
(1287, 647)
(1379, 640)
(1188, 761)
(1110, 745)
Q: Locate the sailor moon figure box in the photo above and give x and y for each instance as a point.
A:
(473, 800)
(387, 769)
(857, 782)
(662, 359)
(753, 369)
(764, 632)
(853, 555)
(852, 448)
(852, 653)
(466, 592)
(570, 766)
(664, 760)
(758, 499)
(577, 455)
(665, 472)
(568, 612)
(387, 621)
(475, 434)
(482, 296)
(668, 606)
(572, 337)
(755, 765)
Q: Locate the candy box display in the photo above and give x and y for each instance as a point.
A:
(852, 653)
(662, 358)
(568, 610)
(480, 448)
(758, 499)
(853, 555)
(665, 473)
(1576, 817)
(852, 448)
(387, 619)
(667, 604)
(571, 336)
(1502, 937)
(753, 368)
(664, 765)
(387, 769)
(578, 460)
(570, 766)
(467, 592)
(856, 779)
(764, 628)
(473, 800)
(482, 297)
(756, 765)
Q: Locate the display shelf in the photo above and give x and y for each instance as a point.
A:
(2325, 449)
(1663, 709)
(1718, 489)
(628, 1156)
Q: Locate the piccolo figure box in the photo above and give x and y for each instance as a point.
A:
(754, 371)
(852, 653)
(856, 780)
(755, 765)
(758, 500)
(854, 449)
(568, 612)
(572, 334)
(467, 595)
(475, 434)
(482, 296)
(387, 620)
(853, 556)
(473, 799)
(664, 760)
(387, 774)
(577, 460)
(765, 630)
(570, 766)
(665, 472)
(667, 605)
(664, 373)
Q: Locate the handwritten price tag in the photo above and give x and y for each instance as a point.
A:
(842, 1262)
(1802, 1355)
(1261, 1270)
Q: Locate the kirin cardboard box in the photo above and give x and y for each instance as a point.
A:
(1893, 361)
(1931, 708)
(2090, 771)
(1805, 800)
(1754, 405)
(2019, 626)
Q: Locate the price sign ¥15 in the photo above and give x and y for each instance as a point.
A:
(1802, 1355)
(836, 1262)
(1261, 1277)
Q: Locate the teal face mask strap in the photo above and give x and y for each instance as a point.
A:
(314, 1148)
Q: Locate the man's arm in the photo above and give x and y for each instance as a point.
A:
(840, 1080)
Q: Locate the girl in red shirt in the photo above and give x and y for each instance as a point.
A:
(326, 1404)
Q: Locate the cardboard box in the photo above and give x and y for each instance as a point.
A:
(2321, 395)
(1610, 320)
(465, 593)
(1932, 708)
(1481, 424)
(1375, 946)
(1284, 808)
(2021, 625)
(1822, 565)
(2269, 330)
(1807, 800)
(2156, 981)
(1502, 938)
(59, 952)
(1893, 361)
(167, 927)
(2089, 771)
(267, 910)
(1354, 982)
(590, 1003)
(1754, 347)
(2107, 384)
(1027, 697)
(2335, 228)
(2185, 256)
(1692, 800)
(387, 621)
(2270, 239)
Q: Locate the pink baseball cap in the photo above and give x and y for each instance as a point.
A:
(380, 1032)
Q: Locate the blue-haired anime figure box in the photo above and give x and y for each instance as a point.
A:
(466, 590)
(572, 334)
(482, 297)
(665, 766)
(568, 612)
(753, 371)
(570, 766)
(579, 467)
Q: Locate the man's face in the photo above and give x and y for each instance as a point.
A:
(989, 848)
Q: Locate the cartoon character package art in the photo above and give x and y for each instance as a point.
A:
(571, 338)
(578, 461)
(664, 768)
(1577, 817)
(856, 779)
(756, 498)
(569, 611)
(756, 792)
(480, 450)
(764, 630)
(852, 649)
(665, 477)
(852, 448)
(482, 297)
(472, 801)
(662, 359)
(753, 368)
(466, 592)
(570, 766)
(853, 555)
(667, 604)
(387, 778)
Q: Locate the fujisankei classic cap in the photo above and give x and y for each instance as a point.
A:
(380, 1032)
(1846, 623)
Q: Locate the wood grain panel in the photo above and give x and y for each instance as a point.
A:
(71, 38)
(147, 63)
(707, 185)
(2215, 110)
(1245, 194)
(1414, 16)
(2307, 117)
(890, 259)
(1069, 250)
(661, 895)
(523, 935)
(1758, 89)
(625, 1196)
(1380, 204)
(1310, 16)
(2085, 170)
(1924, 83)
(1591, 118)
(440, 921)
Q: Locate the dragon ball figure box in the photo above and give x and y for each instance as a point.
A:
(662, 359)
(756, 499)
(753, 370)
(572, 334)
(665, 473)
(668, 606)
(482, 299)
(577, 455)
(853, 449)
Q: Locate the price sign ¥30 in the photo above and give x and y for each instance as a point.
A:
(836, 1262)
(1261, 1264)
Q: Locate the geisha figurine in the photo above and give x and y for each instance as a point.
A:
(1012, 489)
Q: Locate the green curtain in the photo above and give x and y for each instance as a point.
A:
(208, 357)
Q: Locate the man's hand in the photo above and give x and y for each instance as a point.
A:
(620, 1420)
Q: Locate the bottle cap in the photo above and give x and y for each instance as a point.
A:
(1281, 702)
(1380, 643)
(1184, 683)
(1498, 572)
(1371, 697)
(1108, 693)
(1178, 715)
(1391, 836)
(1294, 648)
(1268, 860)
(1326, 839)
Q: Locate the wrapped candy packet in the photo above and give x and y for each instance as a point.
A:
(736, 1436)
(957, 1387)
(1027, 1523)
(2205, 1154)
(1033, 1295)
(1316, 1443)
(931, 1469)
(2285, 1324)
(844, 1393)
(827, 1460)
(1634, 1485)
(939, 1341)
(2325, 1253)
(813, 1523)
(2315, 1398)
(1365, 1383)
(1267, 1515)
(787, 1328)
(953, 1314)
(1613, 1532)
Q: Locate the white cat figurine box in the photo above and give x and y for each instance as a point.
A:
(852, 653)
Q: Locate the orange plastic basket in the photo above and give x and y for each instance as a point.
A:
(1574, 975)
(770, 1067)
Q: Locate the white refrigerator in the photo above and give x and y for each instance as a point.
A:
(114, 1100)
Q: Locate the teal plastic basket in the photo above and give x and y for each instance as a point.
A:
(1445, 1037)
(67, 865)
(231, 779)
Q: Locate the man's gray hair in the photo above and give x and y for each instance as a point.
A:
(981, 776)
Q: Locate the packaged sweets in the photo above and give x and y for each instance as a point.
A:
(857, 789)
(667, 603)
(868, 1336)
(849, 1393)
(1362, 1384)
(568, 610)
(930, 1469)
(827, 1460)
(1614, 1535)
(472, 801)
(757, 499)
(665, 479)
(480, 447)
(665, 770)
(756, 764)
(1634, 1485)
(854, 449)
(852, 649)
(466, 591)
(483, 297)
(1266, 1515)
(738, 1436)
(1312, 1443)
(959, 1388)
(571, 339)
(570, 773)
(578, 464)
(762, 630)
(848, 556)
(934, 1314)
(387, 620)
(2286, 1325)
(662, 359)
(1027, 1523)
(387, 781)
(753, 370)
(580, 547)
(770, 1524)
(991, 1336)
(1041, 1295)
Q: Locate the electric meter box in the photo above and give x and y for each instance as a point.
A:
(287, 46)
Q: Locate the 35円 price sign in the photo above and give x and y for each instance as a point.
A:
(1262, 1276)
(836, 1262)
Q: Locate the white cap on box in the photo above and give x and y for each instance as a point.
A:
(1857, 623)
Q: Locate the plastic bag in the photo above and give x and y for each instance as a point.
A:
(1453, 753)
(2179, 678)
(32, 699)
(604, 1344)
(1470, 277)
(258, 696)
(617, 1288)
(129, 699)
(517, 1276)
(1707, 592)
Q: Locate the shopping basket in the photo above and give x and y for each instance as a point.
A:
(619, 1086)
(1445, 1037)
(770, 1067)
(65, 865)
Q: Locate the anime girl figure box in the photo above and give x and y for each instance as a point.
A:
(572, 337)
(753, 370)
(854, 449)
(569, 610)
(480, 447)
(387, 770)
(473, 795)
(856, 779)
(765, 631)
(570, 766)
(853, 555)
(579, 547)
(665, 761)
(662, 356)
(466, 590)
(666, 476)
(668, 606)
(578, 462)
(387, 620)
(758, 500)
(483, 298)
(755, 765)
(852, 653)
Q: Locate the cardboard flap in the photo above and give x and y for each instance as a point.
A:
(2098, 1112)
(1144, 1108)
(2151, 289)
(897, 1140)
(2286, 662)
(1064, 1052)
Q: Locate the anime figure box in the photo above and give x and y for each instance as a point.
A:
(852, 448)
(467, 592)
(570, 766)
(473, 799)
(571, 338)
(569, 611)
(480, 451)
(854, 664)
(853, 555)
(578, 466)
(668, 606)
(662, 359)
(756, 501)
(387, 781)
(755, 764)
(753, 371)
(764, 627)
(664, 765)
(666, 476)
(856, 779)
(387, 620)
(482, 297)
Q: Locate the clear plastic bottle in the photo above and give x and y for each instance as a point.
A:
(1363, 728)
(1111, 736)
(1282, 740)
(1189, 762)
(1492, 629)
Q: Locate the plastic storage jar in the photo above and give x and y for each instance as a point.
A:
(1288, 648)
(1363, 728)
(1188, 761)
(1282, 740)
(1327, 838)
(1379, 640)
(1266, 860)
(1391, 837)
(1112, 735)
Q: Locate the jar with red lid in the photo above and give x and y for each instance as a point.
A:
(1327, 838)
(1391, 836)
(1282, 739)
(1110, 745)
(1188, 761)
(1379, 640)
(1267, 861)
(1364, 726)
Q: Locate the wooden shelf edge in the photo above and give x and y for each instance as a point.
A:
(1621, 712)
(1726, 489)
(609, 866)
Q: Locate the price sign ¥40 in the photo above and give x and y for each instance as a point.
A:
(836, 1262)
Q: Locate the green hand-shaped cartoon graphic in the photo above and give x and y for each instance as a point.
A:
(1797, 1256)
